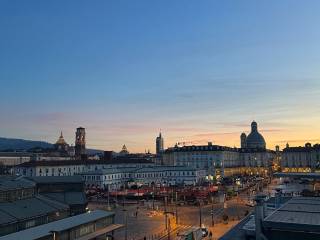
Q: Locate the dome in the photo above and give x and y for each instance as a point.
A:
(255, 139)
(124, 150)
(61, 140)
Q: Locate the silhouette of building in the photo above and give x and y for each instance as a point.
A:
(80, 143)
(124, 151)
(243, 140)
(159, 144)
(254, 140)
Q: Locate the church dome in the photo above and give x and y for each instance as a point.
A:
(255, 139)
(124, 150)
(61, 140)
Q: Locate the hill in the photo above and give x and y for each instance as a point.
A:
(13, 144)
(21, 144)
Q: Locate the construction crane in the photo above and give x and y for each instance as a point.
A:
(185, 143)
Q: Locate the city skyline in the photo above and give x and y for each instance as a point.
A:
(199, 71)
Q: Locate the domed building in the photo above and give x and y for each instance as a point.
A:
(254, 140)
(124, 151)
(61, 144)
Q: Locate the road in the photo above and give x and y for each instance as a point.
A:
(153, 225)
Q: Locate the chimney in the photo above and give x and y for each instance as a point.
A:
(259, 215)
(278, 196)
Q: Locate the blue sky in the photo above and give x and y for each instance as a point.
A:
(199, 70)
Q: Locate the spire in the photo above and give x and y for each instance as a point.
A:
(61, 135)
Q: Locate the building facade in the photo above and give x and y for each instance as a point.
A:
(11, 159)
(222, 161)
(73, 167)
(301, 159)
(115, 178)
(22, 207)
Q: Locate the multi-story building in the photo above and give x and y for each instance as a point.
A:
(68, 190)
(251, 158)
(211, 158)
(301, 159)
(14, 158)
(92, 225)
(73, 167)
(115, 178)
(26, 203)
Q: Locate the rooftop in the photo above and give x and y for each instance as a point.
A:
(56, 179)
(142, 169)
(28, 208)
(70, 198)
(15, 154)
(200, 148)
(84, 162)
(209, 148)
(57, 226)
(10, 182)
(298, 214)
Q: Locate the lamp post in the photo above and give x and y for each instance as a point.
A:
(108, 197)
(212, 221)
(176, 208)
(165, 212)
(200, 215)
(153, 197)
(125, 216)
(169, 229)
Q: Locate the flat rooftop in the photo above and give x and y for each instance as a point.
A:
(298, 214)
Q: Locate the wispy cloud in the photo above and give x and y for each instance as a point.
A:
(298, 140)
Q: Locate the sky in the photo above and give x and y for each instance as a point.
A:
(198, 70)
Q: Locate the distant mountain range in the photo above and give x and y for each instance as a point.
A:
(24, 145)
(21, 144)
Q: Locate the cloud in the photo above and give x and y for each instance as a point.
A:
(298, 140)
(272, 130)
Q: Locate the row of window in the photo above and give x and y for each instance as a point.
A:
(139, 175)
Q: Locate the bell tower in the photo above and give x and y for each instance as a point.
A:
(80, 143)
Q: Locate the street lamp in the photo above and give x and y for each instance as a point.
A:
(176, 208)
(212, 221)
(200, 214)
(153, 197)
(125, 216)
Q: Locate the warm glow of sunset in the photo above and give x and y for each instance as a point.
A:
(200, 71)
